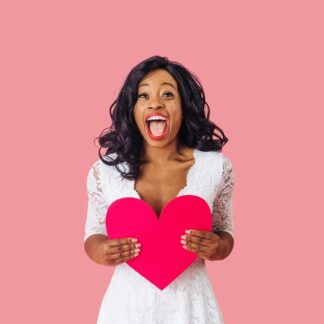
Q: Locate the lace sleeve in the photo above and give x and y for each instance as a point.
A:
(97, 206)
(222, 205)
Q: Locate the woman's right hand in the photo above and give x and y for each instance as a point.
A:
(116, 251)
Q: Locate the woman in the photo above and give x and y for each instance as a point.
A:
(160, 147)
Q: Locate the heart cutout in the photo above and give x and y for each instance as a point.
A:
(162, 257)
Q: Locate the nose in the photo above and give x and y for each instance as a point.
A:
(155, 104)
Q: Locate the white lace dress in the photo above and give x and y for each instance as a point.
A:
(189, 299)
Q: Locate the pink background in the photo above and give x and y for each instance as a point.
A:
(261, 66)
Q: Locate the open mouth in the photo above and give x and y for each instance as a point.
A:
(157, 129)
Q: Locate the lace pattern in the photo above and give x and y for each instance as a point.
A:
(189, 299)
(97, 205)
(222, 205)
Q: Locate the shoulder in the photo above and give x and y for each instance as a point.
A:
(215, 158)
(219, 164)
(94, 177)
(94, 169)
(99, 170)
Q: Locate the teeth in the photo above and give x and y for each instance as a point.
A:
(156, 118)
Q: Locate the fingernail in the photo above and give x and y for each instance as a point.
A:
(134, 240)
(187, 231)
(183, 236)
(138, 245)
(183, 242)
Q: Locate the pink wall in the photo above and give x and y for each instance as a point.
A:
(261, 65)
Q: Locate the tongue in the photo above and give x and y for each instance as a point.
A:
(157, 127)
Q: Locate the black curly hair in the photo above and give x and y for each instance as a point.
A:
(123, 136)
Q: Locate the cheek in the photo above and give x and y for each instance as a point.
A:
(138, 117)
(135, 113)
(177, 118)
(178, 121)
(175, 124)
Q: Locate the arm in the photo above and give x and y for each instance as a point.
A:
(226, 245)
(95, 227)
(91, 247)
(222, 212)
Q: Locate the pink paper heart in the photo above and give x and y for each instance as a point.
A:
(162, 257)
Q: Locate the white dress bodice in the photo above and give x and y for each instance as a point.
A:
(130, 298)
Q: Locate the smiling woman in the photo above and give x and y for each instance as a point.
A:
(160, 147)
(166, 87)
(158, 90)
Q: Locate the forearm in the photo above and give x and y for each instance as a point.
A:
(226, 246)
(91, 246)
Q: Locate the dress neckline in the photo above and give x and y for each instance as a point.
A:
(180, 192)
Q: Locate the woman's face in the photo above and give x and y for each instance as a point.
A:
(158, 94)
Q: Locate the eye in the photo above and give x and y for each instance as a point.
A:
(142, 94)
(169, 93)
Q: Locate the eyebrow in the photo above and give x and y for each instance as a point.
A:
(145, 84)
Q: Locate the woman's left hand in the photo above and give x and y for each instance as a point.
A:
(205, 244)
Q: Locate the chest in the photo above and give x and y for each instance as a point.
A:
(157, 186)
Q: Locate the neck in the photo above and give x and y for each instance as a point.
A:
(163, 154)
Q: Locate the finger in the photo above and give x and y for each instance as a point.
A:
(198, 233)
(126, 247)
(118, 245)
(199, 240)
(117, 242)
(197, 246)
(201, 250)
(203, 253)
(122, 256)
(127, 258)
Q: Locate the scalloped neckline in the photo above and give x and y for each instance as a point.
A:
(188, 182)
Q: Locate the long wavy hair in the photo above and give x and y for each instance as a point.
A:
(123, 136)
